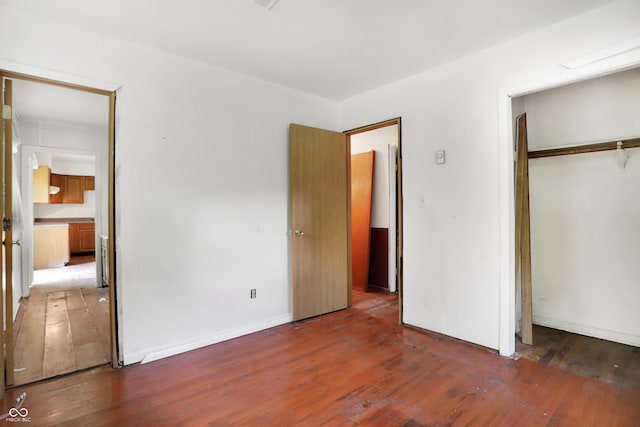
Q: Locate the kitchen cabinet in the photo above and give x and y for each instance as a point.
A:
(50, 245)
(57, 181)
(41, 177)
(82, 237)
(89, 183)
(72, 188)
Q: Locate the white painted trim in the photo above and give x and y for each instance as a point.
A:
(506, 238)
(601, 54)
(590, 331)
(146, 356)
(507, 321)
(45, 73)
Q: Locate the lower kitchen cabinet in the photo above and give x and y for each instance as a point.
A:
(82, 237)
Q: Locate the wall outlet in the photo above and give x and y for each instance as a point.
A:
(253, 293)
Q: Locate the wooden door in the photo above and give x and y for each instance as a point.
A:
(361, 188)
(319, 204)
(523, 233)
(6, 270)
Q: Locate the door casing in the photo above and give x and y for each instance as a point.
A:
(398, 197)
(115, 348)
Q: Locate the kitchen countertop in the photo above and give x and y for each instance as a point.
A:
(63, 220)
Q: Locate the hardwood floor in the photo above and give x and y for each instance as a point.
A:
(607, 361)
(62, 327)
(355, 366)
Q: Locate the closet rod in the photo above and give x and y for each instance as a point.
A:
(587, 148)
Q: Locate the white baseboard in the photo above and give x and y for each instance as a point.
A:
(151, 355)
(589, 331)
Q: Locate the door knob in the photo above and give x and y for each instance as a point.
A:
(298, 232)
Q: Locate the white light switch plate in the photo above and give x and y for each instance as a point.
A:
(441, 157)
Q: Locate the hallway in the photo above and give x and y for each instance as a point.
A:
(63, 326)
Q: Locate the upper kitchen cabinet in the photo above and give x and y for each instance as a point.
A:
(57, 182)
(41, 183)
(89, 183)
(72, 188)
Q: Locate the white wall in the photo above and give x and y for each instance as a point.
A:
(71, 166)
(378, 140)
(600, 109)
(585, 242)
(202, 187)
(75, 210)
(458, 248)
(585, 209)
(201, 184)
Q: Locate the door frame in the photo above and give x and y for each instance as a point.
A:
(20, 72)
(399, 223)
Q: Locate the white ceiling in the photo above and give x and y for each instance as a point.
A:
(38, 102)
(332, 48)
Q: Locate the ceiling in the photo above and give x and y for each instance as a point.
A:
(38, 102)
(331, 48)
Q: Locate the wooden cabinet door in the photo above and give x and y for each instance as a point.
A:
(86, 237)
(82, 237)
(73, 189)
(58, 181)
(41, 178)
(89, 183)
(73, 238)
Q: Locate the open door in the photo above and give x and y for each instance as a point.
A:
(7, 235)
(523, 234)
(319, 220)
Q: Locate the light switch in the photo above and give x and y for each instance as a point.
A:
(441, 157)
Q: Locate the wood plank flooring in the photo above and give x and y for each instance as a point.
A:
(614, 363)
(352, 367)
(58, 330)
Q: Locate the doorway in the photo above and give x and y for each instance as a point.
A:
(383, 271)
(320, 219)
(62, 317)
(582, 281)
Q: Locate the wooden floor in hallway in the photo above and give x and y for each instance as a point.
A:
(352, 367)
(63, 326)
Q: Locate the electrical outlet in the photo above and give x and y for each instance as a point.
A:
(253, 293)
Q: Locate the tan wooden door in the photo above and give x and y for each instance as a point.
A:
(319, 220)
(361, 198)
(7, 236)
(523, 234)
